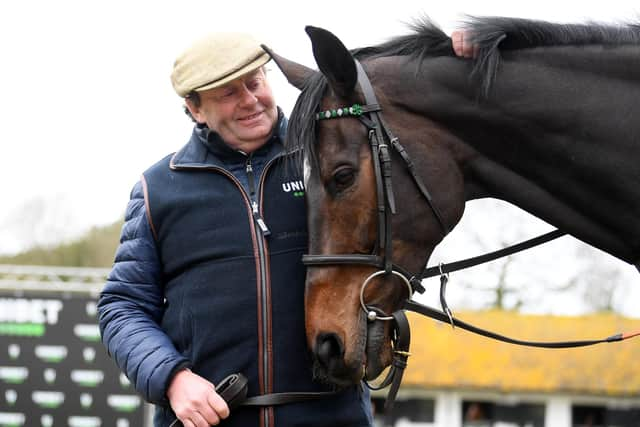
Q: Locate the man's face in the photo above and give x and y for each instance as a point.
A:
(243, 111)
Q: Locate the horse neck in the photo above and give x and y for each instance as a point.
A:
(556, 135)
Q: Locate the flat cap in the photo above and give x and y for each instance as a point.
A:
(216, 60)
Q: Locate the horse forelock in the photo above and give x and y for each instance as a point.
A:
(301, 134)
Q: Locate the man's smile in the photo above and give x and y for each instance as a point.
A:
(250, 117)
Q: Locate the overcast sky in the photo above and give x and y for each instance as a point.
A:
(87, 104)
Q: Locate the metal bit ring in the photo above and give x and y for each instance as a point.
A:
(372, 314)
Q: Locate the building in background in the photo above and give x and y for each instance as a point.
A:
(458, 379)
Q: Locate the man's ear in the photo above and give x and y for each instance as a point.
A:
(195, 111)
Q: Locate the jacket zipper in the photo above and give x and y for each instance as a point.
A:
(264, 305)
(254, 203)
(266, 315)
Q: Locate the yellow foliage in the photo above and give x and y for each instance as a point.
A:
(443, 357)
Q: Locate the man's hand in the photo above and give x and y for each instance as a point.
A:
(461, 44)
(195, 401)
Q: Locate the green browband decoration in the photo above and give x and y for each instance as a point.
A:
(355, 110)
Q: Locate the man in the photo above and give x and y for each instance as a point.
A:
(208, 279)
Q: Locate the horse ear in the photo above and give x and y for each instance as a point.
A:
(295, 73)
(334, 61)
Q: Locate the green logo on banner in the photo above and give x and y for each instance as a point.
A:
(87, 332)
(51, 353)
(11, 419)
(48, 399)
(123, 403)
(13, 374)
(22, 329)
(87, 378)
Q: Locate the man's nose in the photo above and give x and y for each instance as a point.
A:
(247, 97)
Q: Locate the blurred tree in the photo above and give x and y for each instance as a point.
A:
(565, 276)
(95, 249)
(599, 282)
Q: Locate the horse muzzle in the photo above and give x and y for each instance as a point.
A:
(335, 366)
(330, 365)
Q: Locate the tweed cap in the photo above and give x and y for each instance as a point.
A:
(216, 60)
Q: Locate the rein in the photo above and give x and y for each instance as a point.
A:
(381, 141)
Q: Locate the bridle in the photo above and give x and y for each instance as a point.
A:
(382, 141)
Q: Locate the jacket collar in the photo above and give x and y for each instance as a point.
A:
(206, 148)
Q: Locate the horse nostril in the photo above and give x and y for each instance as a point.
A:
(328, 347)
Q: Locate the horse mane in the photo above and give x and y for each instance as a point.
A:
(490, 35)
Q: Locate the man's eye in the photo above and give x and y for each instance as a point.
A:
(253, 84)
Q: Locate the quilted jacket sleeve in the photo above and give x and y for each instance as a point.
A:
(131, 305)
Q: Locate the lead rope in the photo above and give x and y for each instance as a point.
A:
(233, 389)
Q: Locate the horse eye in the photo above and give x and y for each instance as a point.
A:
(343, 178)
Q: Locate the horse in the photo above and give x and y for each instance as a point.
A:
(545, 117)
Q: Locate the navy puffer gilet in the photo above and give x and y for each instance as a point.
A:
(233, 293)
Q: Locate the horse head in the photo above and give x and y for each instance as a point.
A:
(345, 200)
